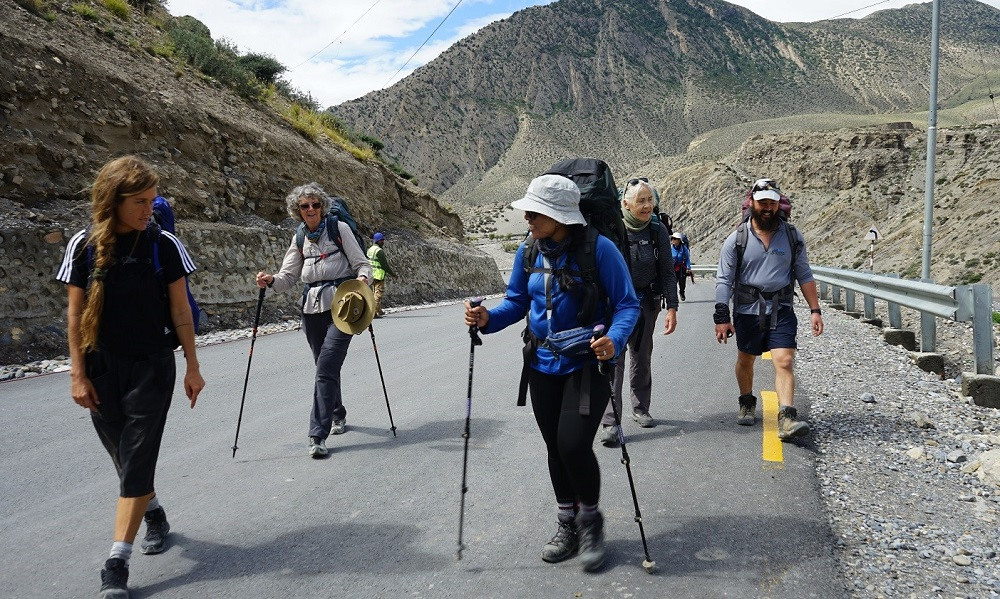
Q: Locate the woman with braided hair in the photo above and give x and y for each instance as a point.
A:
(128, 310)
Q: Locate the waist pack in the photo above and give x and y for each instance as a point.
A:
(572, 343)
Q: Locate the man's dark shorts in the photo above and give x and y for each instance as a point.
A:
(750, 339)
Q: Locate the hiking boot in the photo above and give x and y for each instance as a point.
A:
(339, 426)
(609, 435)
(683, 299)
(592, 550)
(563, 544)
(789, 426)
(157, 528)
(317, 448)
(643, 419)
(114, 579)
(748, 404)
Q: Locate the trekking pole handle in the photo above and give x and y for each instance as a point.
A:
(602, 365)
(475, 302)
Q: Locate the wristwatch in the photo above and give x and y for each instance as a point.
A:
(815, 311)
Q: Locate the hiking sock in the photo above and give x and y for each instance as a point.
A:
(567, 511)
(153, 504)
(588, 512)
(121, 550)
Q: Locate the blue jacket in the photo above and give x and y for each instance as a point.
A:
(526, 295)
(682, 257)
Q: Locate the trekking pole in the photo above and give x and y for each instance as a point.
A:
(604, 367)
(253, 338)
(474, 335)
(375, 347)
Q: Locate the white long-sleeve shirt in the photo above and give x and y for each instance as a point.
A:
(322, 261)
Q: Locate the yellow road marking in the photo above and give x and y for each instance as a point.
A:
(769, 415)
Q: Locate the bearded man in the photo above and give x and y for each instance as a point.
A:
(758, 266)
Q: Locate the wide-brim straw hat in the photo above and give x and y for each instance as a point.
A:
(353, 307)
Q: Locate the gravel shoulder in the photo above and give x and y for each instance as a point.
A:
(900, 456)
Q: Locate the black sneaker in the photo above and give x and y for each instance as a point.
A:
(592, 550)
(748, 405)
(157, 528)
(114, 579)
(563, 545)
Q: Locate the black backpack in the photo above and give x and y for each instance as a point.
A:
(599, 201)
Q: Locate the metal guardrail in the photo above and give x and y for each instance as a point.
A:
(963, 303)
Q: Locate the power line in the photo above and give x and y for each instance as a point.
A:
(342, 33)
(424, 43)
(857, 10)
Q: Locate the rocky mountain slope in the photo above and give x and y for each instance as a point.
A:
(631, 80)
(84, 85)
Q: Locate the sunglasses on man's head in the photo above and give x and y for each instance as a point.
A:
(765, 185)
(313, 205)
(635, 181)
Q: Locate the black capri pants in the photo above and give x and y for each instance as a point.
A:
(135, 394)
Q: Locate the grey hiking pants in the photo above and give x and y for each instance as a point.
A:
(640, 347)
(329, 347)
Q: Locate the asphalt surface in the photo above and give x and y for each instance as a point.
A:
(379, 516)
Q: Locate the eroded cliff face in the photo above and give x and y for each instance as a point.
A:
(74, 94)
(845, 181)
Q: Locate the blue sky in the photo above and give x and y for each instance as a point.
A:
(338, 50)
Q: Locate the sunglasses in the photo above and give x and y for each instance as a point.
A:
(313, 205)
(530, 215)
(765, 184)
(635, 181)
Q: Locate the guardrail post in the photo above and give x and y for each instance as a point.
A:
(895, 313)
(982, 328)
(849, 304)
(835, 297)
(869, 307)
(928, 328)
(823, 290)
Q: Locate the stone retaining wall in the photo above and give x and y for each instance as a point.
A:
(33, 303)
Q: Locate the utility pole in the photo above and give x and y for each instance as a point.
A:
(925, 271)
(928, 330)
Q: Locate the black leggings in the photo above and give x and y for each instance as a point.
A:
(681, 276)
(568, 435)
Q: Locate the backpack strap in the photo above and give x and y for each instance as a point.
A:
(593, 296)
(748, 293)
(332, 231)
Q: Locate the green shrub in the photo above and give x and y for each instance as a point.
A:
(118, 8)
(264, 67)
(38, 8)
(86, 11)
(996, 318)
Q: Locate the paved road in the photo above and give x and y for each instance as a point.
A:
(379, 517)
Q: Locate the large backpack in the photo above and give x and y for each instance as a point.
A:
(338, 212)
(598, 197)
(163, 215)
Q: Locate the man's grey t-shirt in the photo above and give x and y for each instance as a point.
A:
(769, 269)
